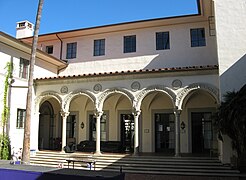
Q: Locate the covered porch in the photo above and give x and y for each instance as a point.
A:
(155, 119)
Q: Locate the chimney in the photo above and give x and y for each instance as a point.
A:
(24, 29)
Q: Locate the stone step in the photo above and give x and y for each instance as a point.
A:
(140, 164)
(134, 158)
(143, 169)
(121, 162)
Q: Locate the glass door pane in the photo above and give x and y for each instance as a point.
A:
(164, 132)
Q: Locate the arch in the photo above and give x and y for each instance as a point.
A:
(46, 108)
(46, 126)
(156, 88)
(108, 92)
(46, 95)
(74, 94)
(212, 90)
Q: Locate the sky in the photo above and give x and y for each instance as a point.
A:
(61, 15)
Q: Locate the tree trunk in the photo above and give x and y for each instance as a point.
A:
(26, 141)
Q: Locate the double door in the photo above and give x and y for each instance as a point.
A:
(127, 132)
(202, 132)
(164, 132)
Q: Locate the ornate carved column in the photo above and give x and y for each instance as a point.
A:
(64, 128)
(177, 113)
(136, 114)
(98, 115)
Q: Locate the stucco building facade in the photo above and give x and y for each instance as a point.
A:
(150, 85)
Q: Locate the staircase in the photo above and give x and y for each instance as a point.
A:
(194, 166)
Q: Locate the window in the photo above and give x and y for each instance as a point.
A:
(129, 44)
(24, 67)
(21, 116)
(197, 37)
(22, 24)
(92, 127)
(29, 25)
(162, 40)
(71, 50)
(49, 49)
(99, 47)
(71, 126)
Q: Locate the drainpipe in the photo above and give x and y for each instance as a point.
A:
(61, 46)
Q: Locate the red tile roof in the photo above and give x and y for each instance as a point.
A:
(141, 71)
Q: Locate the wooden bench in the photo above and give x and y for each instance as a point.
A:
(81, 160)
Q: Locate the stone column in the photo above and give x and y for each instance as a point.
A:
(64, 128)
(177, 113)
(136, 114)
(98, 115)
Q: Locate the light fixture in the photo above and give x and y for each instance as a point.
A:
(82, 125)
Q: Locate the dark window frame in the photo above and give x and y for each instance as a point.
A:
(198, 37)
(99, 47)
(21, 116)
(71, 126)
(24, 68)
(71, 50)
(49, 49)
(130, 44)
(162, 40)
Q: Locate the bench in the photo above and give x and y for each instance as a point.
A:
(81, 160)
(106, 146)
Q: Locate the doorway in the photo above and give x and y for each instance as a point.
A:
(103, 127)
(127, 132)
(164, 133)
(46, 126)
(202, 132)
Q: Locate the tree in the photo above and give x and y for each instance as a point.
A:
(231, 119)
(26, 141)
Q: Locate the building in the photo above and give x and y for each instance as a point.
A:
(149, 85)
(19, 53)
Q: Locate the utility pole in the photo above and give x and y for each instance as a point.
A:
(26, 141)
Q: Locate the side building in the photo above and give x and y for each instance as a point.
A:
(19, 53)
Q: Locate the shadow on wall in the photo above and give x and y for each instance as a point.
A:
(234, 77)
(179, 59)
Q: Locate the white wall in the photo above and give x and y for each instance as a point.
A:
(181, 53)
(18, 95)
(231, 41)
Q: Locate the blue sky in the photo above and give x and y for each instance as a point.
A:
(59, 15)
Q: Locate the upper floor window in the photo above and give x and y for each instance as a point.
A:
(49, 49)
(71, 50)
(99, 47)
(21, 115)
(198, 37)
(162, 40)
(24, 68)
(129, 44)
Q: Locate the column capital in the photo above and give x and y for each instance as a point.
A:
(136, 112)
(98, 113)
(64, 114)
(177, 111)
